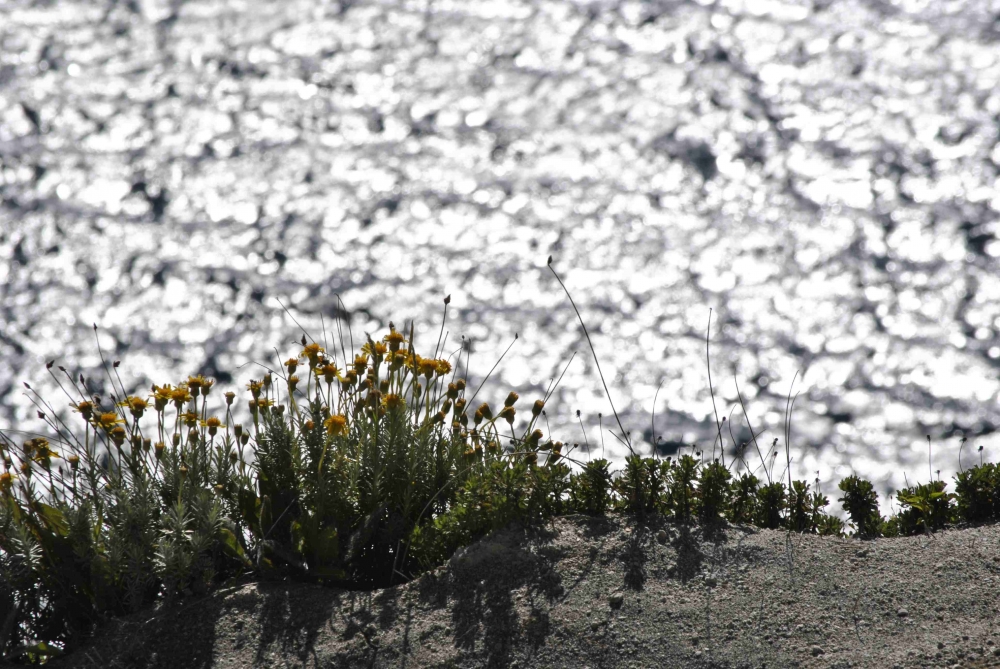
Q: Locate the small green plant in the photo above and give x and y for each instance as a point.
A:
(771, 502)
(925, 507)
(682, 498)
(744, 502)
(861, 503)
(590, 490)
(713, 492)
(978, 493)
(642, 485)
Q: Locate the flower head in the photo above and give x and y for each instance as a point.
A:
(255, 387)
(312, 351)
(213, 424)
(394, 339)
(86, 409)
(180, 396)
(136, 405)
(336, 425)
(107, 420)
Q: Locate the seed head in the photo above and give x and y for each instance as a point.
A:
(507, 413)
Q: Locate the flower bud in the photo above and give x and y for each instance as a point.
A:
(238, 430)
(230, 396)
(245, 438)
(511, 398)
(537, 408)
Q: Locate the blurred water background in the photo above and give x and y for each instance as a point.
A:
(822, 175)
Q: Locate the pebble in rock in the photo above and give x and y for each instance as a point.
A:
(616, 600)
(902, 613)
(816, 650)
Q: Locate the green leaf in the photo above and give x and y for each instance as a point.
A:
(54, 519)
(232, 546)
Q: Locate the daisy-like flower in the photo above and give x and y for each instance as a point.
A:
(190, 418)
(107, 420)
(180, 396)
(328, 372)
(336, 425)
(393, 402)
(194, 383)
(442, 367)
(394, 339)
(255, 387)
(42, 454)
(291, 364)
(85, 409)
(6, 482)
(427, 367)
(292, 382)
(162, 396)
(360, 364)
(136, 405)
(118, 435)
(312, 352)
(213, 424)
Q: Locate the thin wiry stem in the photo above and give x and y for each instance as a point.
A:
(708, 366)
(740, 396)
(596, 361)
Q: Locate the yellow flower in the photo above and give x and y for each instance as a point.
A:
(393, 401)
(328, 371)
(213, 424)
(162, 395)
(360, 363)
(292, 382)
(394, 339)
(118, 435)
(136, 405)
(312, 351)
(264, 403)
(42, 453)
(336, 424)
(190, 418)
(6, 481)
(427, 367)
(86, 409)
(196, 383)
(291, 364)
(180, 396)
(107, 420)
(255, 387)
(442, 367)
